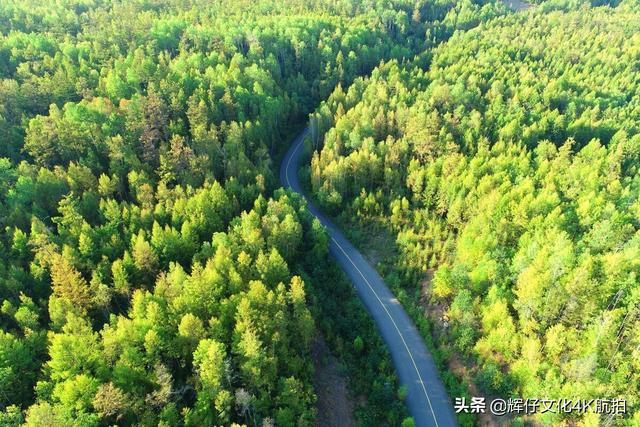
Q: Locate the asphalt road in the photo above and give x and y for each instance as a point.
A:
(517, 5)
(427, 399)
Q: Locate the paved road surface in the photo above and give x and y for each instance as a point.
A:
(427, 399)
(517, 5)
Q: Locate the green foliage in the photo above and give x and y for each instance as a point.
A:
(149, 274)
(408, 422)
(510, 167)
(344, 322)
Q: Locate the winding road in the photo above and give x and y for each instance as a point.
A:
(427, 398)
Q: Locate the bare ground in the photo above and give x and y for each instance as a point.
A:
(334, 405)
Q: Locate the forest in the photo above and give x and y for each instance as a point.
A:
(506, 177)
(153, 272)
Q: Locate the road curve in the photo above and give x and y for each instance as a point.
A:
(427, 399)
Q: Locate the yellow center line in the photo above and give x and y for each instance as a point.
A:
(415, 366)
(286, 169)
(395, 325)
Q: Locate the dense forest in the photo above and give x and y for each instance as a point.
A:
(508, 171)
(153, 273)
(150, 271)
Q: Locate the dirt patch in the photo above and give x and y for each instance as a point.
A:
(436, 312)
(334, 405)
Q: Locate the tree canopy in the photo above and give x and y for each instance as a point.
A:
(509, 168)
(150, 273)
